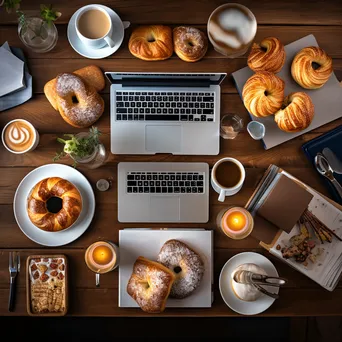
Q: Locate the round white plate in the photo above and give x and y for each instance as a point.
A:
(236, 304)
(85, 51)
(63, 237)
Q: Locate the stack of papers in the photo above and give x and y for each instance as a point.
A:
(326, 267)
(15, 80)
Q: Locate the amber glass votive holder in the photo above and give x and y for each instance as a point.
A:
(102, 257)
(235, 222)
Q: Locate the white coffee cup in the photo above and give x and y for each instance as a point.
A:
(35, 140)
(97, 43)
(224, 191)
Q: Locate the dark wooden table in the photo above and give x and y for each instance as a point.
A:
(288, 20)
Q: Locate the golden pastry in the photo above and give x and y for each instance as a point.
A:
(150, 285)
(311, 67)
(263, 94)
(269, 55)
(151, 43)
(190, 44)
(296, 114)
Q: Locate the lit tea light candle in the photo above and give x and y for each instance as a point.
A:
(102, 256)
(236, 222)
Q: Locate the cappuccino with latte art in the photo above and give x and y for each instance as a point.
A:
(19, 136)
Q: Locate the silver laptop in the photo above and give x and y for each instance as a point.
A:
(165, 113)
(163, 192)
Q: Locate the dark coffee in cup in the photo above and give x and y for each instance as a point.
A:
(228, 174)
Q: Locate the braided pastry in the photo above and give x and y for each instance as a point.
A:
(311, 67)
(151, 43)
(78, 102)
(297, 114)
(269, 55)
(63, 214)
(263, 94)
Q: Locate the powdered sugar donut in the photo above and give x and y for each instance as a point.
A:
(185, 263)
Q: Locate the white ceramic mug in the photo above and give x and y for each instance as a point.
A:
(223, 191)
(99, 42)
(35, 138)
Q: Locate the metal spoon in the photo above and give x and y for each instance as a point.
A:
(324, 168)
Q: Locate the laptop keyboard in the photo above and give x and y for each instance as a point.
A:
(164, 106)
(165, 182)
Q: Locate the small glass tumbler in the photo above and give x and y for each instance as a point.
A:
(231, 125)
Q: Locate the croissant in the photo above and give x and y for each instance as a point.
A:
(311, 67)
(297, 113)
(263, 93)
(269, 55)
(59, 215)
(151, 43)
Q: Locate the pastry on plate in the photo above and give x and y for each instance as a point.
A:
(263, 94)
(247, 292)
(150, 285)
(296, 114)
(185, 263)
(54, 204)
(311, 67)
(190, 44)
(269, 55)
(151, 43)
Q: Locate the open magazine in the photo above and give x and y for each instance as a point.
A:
(322, 260)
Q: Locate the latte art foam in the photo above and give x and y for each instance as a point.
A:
(19, 136)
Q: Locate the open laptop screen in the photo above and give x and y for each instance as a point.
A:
(164, 78)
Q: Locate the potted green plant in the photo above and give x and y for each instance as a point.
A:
(84, 148)
(38, 33)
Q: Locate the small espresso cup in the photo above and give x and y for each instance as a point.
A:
(96, 43)
(222, 190)
(20, 137)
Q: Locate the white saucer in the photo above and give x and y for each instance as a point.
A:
(54, 238)
(236, 304)
(83, 50)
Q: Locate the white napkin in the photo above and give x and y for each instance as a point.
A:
(12, 71)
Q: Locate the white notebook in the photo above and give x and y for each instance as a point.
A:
(135, 242)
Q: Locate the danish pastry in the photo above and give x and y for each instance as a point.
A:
(151, 43)
(311, 67)
(263, 94)
(190, 43)
(296, 114)
(150, 285)
(269, 55)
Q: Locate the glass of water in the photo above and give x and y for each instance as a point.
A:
(231, 125)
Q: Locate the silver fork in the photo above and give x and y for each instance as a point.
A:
(14, 268)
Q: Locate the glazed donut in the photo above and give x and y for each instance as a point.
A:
(269, 55)
(78, 103)
(190, 44)
(263, 94)
(185, 263)
(63, 214)
(151, 43)
(311, 67)
(296, 114)
(150, 285)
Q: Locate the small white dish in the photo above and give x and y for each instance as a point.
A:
(236, 304)
(63, 237)
(85, 51)
(256, 129)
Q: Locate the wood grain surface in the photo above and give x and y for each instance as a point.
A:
(287, 20)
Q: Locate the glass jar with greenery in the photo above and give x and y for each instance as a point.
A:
(84, 148)
(38, 33)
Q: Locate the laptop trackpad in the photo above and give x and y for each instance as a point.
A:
(164, 209)
(165, 139)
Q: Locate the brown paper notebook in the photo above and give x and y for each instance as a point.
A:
(274, 190)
